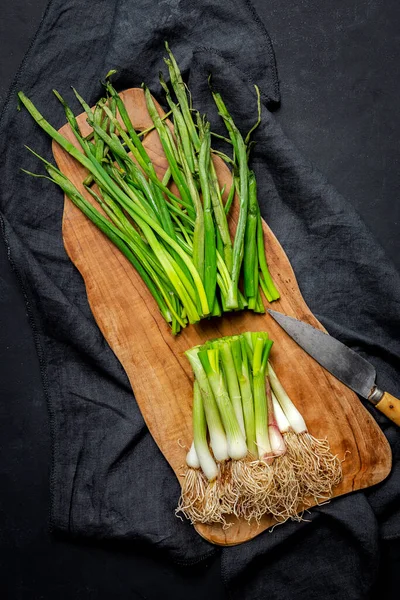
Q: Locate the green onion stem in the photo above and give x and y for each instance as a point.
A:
(221, 137)
(168, 147)
(210, 259)
(144, 132)
(180, 92)
(269, 289)
(278, 446)
(230, 197)
(99, 143)
(145, 164)
(68, 113)
(243, 373)
(102, 149)
(206, 460)
(167, 177)
(232, 381)
(135, 211)
(218, 441)
(256, 124)
(84, 105)
(220, 216)
(180, 127)
(250, 259)
(261, 348)
(238, 244)
(283, 423)
(109, 230)
(224, 156)
(198, 233)
(141, 151)
(292, 414)
(237, 448)
(131, 232)
(136, 244)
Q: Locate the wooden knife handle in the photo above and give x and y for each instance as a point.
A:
(390, 406)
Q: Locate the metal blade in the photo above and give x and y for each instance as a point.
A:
(345, 364)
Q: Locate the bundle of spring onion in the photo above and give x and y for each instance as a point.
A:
(179, 243)
(252, 453)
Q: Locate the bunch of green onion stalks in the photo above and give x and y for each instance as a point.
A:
(178, 241)
(251, 453)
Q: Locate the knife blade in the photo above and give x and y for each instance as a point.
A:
(341, 361)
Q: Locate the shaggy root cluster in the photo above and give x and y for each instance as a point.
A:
(305, 475)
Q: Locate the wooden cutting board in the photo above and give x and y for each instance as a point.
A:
(154, 360)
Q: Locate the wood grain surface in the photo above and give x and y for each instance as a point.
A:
(154, 360)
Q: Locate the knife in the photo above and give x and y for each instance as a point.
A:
(345, 364)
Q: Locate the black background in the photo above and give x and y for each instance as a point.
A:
(351, 132)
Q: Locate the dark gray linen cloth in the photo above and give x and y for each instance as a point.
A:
(108, 478)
